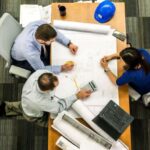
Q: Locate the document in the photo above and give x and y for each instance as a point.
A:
(30, 13)
(92, 47)
(81, 136)
(77, 133)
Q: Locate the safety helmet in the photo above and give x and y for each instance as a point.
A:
(105, 11)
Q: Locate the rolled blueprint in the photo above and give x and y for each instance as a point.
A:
(83, 27)
(84, 112)
(64, 144)
(77, 133)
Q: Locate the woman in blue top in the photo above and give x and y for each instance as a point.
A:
(137, 69)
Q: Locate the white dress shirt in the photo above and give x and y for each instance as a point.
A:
(35, 102)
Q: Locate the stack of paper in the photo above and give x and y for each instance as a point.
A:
(30, 13)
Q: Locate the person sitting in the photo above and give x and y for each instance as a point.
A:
(38, 99)
(136, 69)
(29, 51)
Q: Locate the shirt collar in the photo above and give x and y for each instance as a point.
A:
(36, 43)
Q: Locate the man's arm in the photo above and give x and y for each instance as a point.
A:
(63, 104)
(61, 38)
(36, 63)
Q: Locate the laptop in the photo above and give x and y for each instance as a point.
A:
(113, 120)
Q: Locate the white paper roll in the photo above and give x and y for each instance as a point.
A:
(74, 134)
(83, 27)
(84, 112)
(69, 131)
(65, 144)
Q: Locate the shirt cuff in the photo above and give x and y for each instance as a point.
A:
(54, 69)
(70, 100)
(68, 43)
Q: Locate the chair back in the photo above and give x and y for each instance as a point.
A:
(9, 30)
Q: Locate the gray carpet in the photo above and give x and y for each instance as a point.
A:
(17, 134)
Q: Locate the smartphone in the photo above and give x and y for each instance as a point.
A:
(119, 35)
(90, 86)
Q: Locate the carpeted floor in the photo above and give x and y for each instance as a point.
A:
(17, 134)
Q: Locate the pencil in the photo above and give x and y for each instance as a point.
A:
(76, 84)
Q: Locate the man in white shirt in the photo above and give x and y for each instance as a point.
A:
(37, 99)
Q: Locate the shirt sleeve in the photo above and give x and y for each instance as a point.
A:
(124, 79)
(146, 54)
(56, 107)
(36, 63)
(61, 38)
(54, 69)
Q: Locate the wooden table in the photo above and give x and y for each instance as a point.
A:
(83, 12)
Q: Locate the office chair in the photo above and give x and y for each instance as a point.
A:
(133, 94)
(9, 29)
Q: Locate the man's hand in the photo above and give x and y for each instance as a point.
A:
(82, 94)
(104, 63)
(67, 66)
(73, 48)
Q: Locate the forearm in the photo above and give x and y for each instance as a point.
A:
(111, 75)
(54, 69)
(61, 38)
(64, 104)
(114, 56)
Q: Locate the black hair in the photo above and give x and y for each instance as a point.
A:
(132, 57)
(45, 32)
(46, 81)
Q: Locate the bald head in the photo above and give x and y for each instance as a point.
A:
(47, 81)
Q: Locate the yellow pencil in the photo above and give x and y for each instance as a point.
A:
(76, 84)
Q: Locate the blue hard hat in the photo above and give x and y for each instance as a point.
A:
(105, 11)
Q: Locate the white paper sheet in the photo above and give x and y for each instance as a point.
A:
(92, 47)
(30, 13)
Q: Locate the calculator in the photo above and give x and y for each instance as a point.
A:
(91, 86)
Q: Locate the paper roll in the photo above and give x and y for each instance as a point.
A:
(73, 131)
(84, 112)
(68, 131)
(65, 144)
(83, 27)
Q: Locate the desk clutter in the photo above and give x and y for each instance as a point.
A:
(113, 120)
(86, 62)
(77, 136)
(82, 137)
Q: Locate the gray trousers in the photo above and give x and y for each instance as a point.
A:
(15, 109)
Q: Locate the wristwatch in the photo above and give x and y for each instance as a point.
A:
(69, 43)
(106, 69)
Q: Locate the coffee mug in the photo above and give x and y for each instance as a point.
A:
(62, 10)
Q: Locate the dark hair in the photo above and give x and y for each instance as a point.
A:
(132, 57)
(46, 81)
(45, 32)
